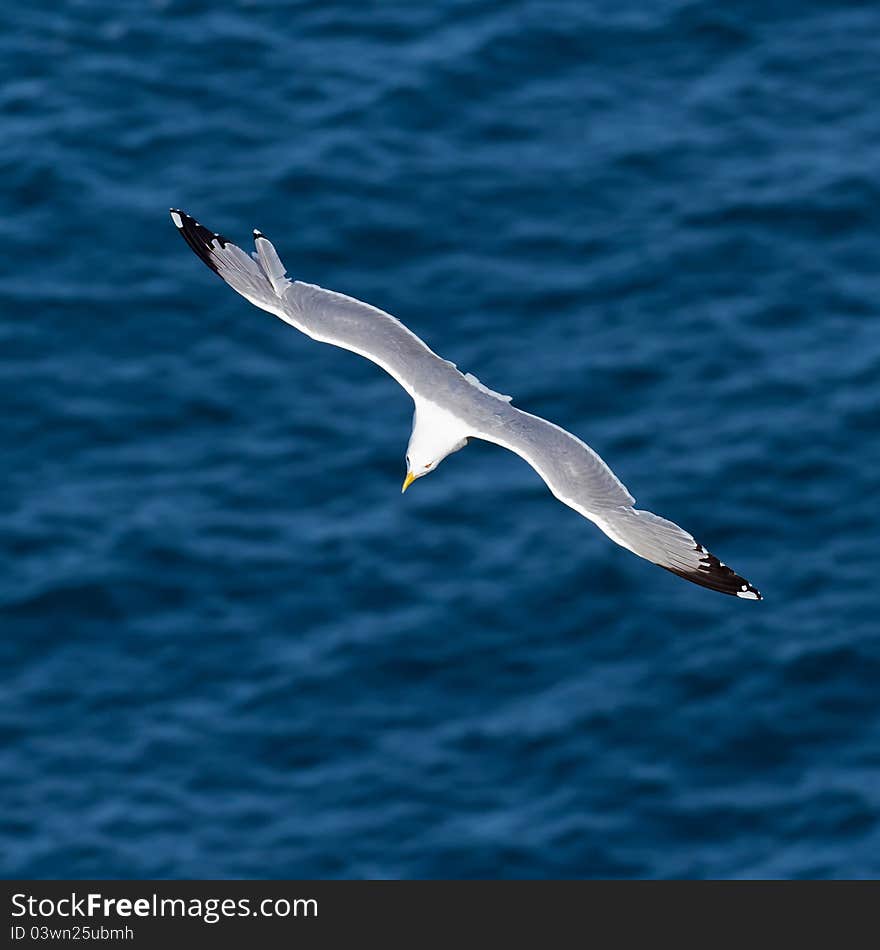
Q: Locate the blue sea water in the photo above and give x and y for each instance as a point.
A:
(231, 648)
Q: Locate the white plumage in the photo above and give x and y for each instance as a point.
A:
(451, 407)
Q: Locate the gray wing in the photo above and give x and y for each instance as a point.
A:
(579, 478)
(324, 315)
(575, 474)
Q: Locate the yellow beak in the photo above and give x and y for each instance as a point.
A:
(410, 478)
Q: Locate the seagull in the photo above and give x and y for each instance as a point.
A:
(452, 407)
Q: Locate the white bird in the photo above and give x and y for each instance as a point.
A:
(452, 407)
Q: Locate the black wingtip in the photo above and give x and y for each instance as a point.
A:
(715, 575)
(199, 238)
(258, 234)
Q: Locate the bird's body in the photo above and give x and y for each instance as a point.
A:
(451, 407)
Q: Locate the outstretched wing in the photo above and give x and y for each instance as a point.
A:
(324, 315)
(575, 474)
(579, 478)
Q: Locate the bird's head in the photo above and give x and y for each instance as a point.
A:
(435, 434)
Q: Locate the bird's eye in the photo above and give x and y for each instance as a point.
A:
(428, 465)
